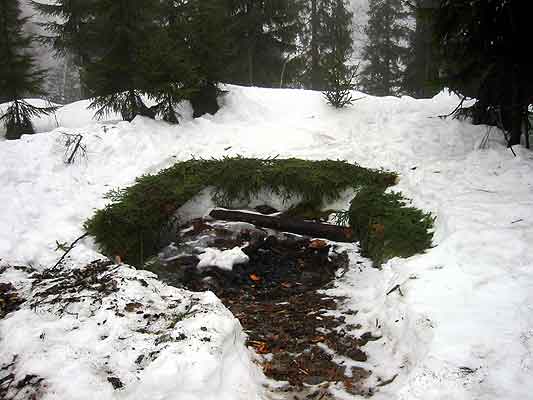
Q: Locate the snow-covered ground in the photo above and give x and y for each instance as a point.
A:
(462, 326)
(126, 335)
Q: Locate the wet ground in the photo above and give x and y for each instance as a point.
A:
(279, 299)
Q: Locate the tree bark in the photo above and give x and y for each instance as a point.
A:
(250, 65)
(287, 224)
(526, 127)
(516, 110)
(315, 73)
(205, 100)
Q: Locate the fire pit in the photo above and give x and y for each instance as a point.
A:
(275, 289)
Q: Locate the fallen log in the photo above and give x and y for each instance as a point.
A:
(287, 224)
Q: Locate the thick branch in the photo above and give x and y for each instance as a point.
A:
(287, 224)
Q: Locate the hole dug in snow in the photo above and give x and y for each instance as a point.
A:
(273, 283)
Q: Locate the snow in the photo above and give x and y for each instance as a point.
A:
(461, 328)
(202, 204)
(223, 259)
(173, 345)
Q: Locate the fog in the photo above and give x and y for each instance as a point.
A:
(43, 54)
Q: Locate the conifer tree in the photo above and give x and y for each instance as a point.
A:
(316, 79)
(335, 63)
(165, 50)
(384, 52)
(163, 70)
(262, 32)
(185, 55)
(326, 30)
(484, 55)
(201, 35)
(68, 26)
(18, 75)
(421, 76)
(68, 33)
(115, 77)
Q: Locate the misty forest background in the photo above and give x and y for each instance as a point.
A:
(120, 53)
(62, 83)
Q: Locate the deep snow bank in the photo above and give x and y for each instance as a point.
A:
(463, 327)
(115, 332)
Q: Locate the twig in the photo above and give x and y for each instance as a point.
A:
(9, 377)
(72, 245)
(500, 125)
(55, 108)
(485, 140)
(398, 288)
(73, 146)
(388, 381)
(455, 110)
(76, 147)
(485, 191)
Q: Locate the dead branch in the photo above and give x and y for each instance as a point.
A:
(72, 245)
(74, 149)
(287, 224)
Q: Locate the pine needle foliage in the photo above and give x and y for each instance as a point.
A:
(340, 83)
(69, 32)
(339, 75)
(17, 118)
(384, 52)
(261, 33)
(134, 224)
(116, 78)
(387, 227)
(482, 49)
(18, 75)
(128, 104)
(67, 27)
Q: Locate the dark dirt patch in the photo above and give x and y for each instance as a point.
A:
(64, 287)
(14, 387)
(9, 299)
(116, 382)
(277, 298)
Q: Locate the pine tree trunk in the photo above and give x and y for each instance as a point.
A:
(516, 111)
(250, 65)
(516, 125)
(315, 73)
(387, 61)
(427, 71)
(525, 127)
(205, 100)
(64, 82)
(252, 37)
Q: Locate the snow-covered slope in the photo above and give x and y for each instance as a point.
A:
(463, 328)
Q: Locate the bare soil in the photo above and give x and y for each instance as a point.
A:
(279, 299)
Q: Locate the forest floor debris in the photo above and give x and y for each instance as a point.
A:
(108, 328)
(278, 296)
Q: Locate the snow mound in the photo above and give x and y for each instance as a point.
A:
(462, 327)
(120, 333)
(223, 259)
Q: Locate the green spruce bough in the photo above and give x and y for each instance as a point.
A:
(135, 223)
